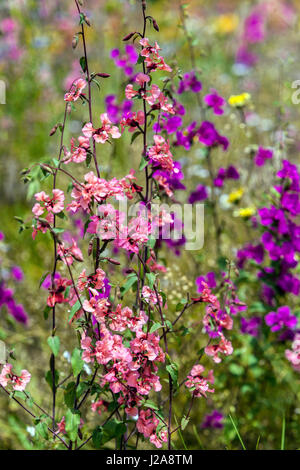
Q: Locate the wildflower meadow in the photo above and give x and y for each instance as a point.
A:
(150, 229)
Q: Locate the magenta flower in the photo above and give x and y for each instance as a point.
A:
(262, 155)
(254, 28)
(209, 280)
(215, 101)
(189, 83)
(200, 194)
(213, 420)
(210, 137)
(250, 326)
(281, 318)
(17, 273)
(127, 60)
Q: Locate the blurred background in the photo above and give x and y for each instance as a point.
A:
(37, 64)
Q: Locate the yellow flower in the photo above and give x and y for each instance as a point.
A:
(238, 101)
(226, 24)
(246, 212)
(235, 196)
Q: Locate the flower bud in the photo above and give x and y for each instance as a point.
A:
(103, 75)
(129, 36)
(75, 41)
(53, 130)
(113, 261)
(155, 25)
(87, 20)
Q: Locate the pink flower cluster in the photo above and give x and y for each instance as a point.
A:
(293, 355)
(75, 90)
(197, 383)
(18, 383)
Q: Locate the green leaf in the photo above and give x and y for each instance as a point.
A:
(173, 371)
(237, 432)
(54, 343)
(42, 430)
(184, 422)
(48, 378)
(74, 309)
(43, 278)
(143, 163)
(97, 436)
(70, 394)
(113, 429)
(135, 135)
(150, 404)
(57, 230)
(46, 312)
(131, 280)
(150, 279)
(72, 423)
(82, 62)
(282, 446)
(76, 362)
(155, 327)
(151, 241)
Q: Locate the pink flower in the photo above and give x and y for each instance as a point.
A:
(57, 295)
(160, 153)
(76, 90)
(224, 347)
(99, 406)
(45, 202)
(102, 134)
(150, 296)
(293, 355)
(78, 153)
(130, 92)
(142, 78)
(62, 426)
(68, 255)
(199, 384)
(153, 60)
(91, 282)
(18, 382)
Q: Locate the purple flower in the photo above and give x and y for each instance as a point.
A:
(254, 28)
(16, 310)
(226, 173)
(255, 252)
(173, 179)
(215, 101)
(281, 318)
(250, 326)
(189, 83)
(47, 281)
(262, 155)
(172, 123)
(185, 138)
(210, 137)
(213, 420)
(209, 279)
(246, 57)
(200, 194)
(117, 111)
(126, 61)
(17, 273)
